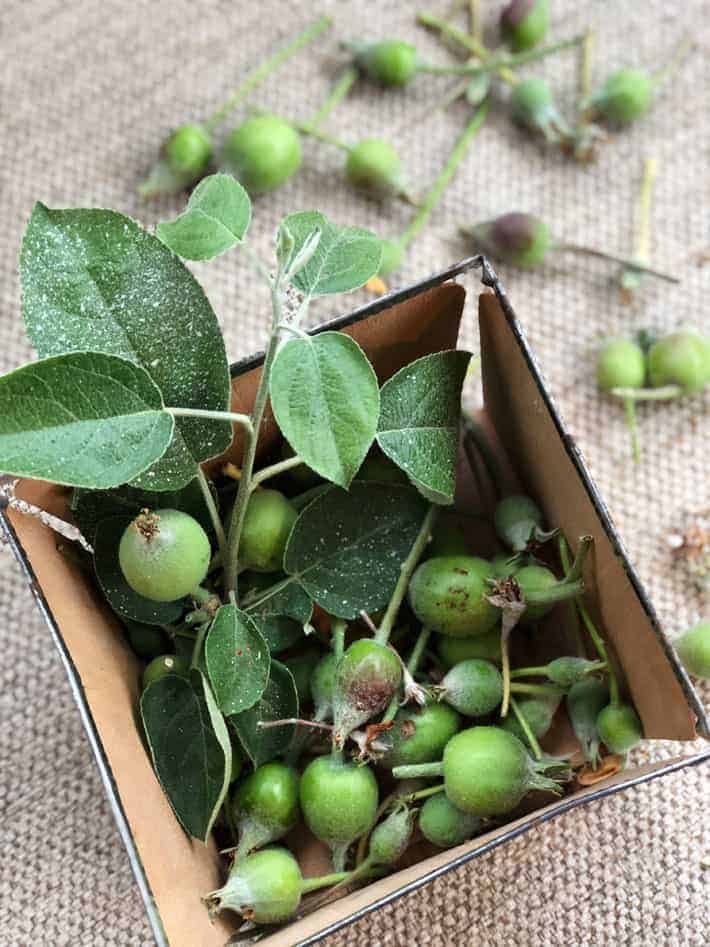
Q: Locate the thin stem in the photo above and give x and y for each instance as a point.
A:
(199, 642)
(231, 564)
(235, 418)
(505, 672)
(338, 638)
(212, 510)
(405, 574)
(275, 469)
(305, 128)
(663, 393)
(525, 727)
(676, 60)
(537, 690)
(572, 584)
(394, 797)
(418, 650)
(584, 134)
(292, 722)
(368, 869)
(453, 95)
(324, 881)
(474, 45)
(182, 633)
(418, 771)
(365, 837)
(574, 573)
(256, 262)
(495, 64)
(540, 671)
(556, 593)
(412, 665)
(564, 554)
(643, 236)
(592, 631)
(368, 621)
(445, 175)
(615, 258)
(448, 30)
(585, 65)
(422, 793)
(632, 424)
(600, 645)
(475, 21)
(340, 89)
(265, 69)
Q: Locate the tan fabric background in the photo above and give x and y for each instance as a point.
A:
(89, 89)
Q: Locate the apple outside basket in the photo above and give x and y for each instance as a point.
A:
(173, 871)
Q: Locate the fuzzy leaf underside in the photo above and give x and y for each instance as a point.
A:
(344, 258)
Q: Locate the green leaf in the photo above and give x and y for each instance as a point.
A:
(83, 419)
(278, 702)
(281, 616)
(346, 548)
(326, 401)
(120, 596)
(419, 421)
(217, 218)
(343, 259)
(94, 280)
(190, 747)
(237, 660)
(90, 507)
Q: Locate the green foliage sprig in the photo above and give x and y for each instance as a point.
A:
(132, 394)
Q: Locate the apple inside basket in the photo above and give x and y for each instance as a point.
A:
(527, 447)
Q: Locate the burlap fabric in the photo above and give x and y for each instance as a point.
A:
(89, 91)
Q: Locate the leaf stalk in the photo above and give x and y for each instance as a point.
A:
(264, 70)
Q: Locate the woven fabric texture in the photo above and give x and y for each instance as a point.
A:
(90, 89)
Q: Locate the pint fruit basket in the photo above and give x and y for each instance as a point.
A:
(330, 637)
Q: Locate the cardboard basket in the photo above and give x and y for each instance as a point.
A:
(173, 871)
